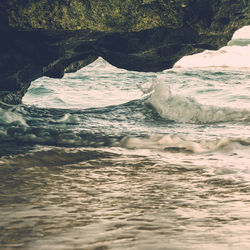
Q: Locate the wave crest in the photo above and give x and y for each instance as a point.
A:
(187, 110)
(11, 116)
(175, 143)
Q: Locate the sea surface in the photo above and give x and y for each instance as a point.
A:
(106, 158)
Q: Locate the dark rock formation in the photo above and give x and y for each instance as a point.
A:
(50, 37)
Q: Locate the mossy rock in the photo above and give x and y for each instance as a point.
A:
(98, 15)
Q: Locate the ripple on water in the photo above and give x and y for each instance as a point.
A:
(119, 200)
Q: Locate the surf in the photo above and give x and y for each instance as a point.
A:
(184, 109)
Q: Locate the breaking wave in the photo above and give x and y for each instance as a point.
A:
(90, 127)
(183, 109)
(176, 143)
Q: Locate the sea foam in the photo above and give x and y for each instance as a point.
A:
(10, 116)
(228, 56)
(184, 109)
(178, 143)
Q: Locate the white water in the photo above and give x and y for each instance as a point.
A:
(229, 56)
(110, 159)
(184, 109)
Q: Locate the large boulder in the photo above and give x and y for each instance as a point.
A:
(51, 37)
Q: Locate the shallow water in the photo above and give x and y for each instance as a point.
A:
(64, 198)
(110, 159)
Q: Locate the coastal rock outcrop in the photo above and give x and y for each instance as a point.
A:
(51, 37)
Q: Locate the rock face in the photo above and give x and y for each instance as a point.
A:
(51, 37)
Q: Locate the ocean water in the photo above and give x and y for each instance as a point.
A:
(112, 159)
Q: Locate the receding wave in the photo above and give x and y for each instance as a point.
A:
(187, 110)
(50, 157)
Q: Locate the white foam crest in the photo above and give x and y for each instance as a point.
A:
(244, 32)
(148, 86)
(176, 143)
(183, 109)
(9, 116)
(228, 56)
(69, 118)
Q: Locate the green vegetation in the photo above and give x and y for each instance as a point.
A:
(99, 15)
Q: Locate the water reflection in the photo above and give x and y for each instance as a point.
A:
(95, 199)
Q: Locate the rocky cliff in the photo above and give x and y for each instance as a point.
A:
(51, 37)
